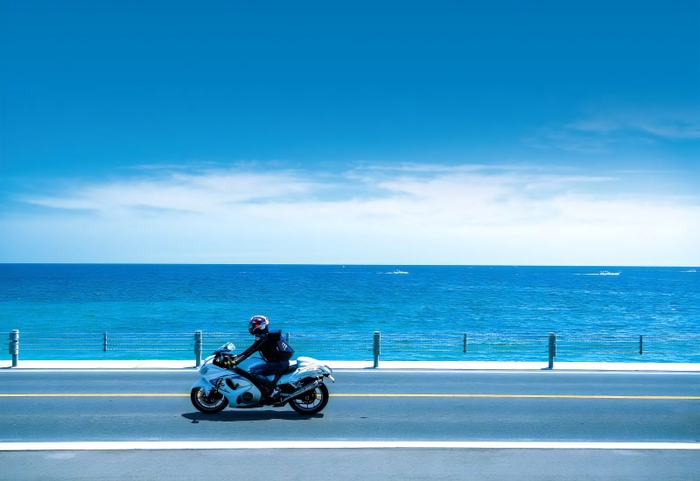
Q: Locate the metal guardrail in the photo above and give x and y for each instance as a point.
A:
(464, 346)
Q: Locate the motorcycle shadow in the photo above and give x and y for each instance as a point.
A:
(252, 415)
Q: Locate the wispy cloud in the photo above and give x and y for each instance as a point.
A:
(188, 192)
(661, 128)
(601, 133)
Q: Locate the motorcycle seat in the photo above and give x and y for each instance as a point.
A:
(292, 367)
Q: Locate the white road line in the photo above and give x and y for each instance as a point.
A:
(238, 445)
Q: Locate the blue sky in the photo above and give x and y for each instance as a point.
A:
(350, 132)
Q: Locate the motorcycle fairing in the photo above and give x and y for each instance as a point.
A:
(230, 384)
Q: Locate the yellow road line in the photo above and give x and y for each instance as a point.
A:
(526, 396)
(396, 395)
(96, 395)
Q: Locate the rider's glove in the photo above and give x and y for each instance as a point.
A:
(234, 360)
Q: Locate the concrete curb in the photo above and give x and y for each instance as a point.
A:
(383, 366)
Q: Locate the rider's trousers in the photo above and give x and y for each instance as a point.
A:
(260, 371)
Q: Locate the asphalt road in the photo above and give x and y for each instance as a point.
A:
(93, 406)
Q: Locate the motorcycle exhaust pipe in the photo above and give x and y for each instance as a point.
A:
(308, 387)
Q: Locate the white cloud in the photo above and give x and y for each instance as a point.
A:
(405, 214)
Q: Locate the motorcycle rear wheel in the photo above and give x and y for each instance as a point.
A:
(311, 402)
(208, 404)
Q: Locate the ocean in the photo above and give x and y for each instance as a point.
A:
(333, 310)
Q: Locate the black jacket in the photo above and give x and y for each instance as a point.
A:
(266, 344)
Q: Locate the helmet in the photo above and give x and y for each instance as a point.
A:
(258, 324)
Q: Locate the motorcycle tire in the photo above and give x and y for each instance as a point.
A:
(311, 402)
(208, 404)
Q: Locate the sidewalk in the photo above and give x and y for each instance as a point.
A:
(383, 365)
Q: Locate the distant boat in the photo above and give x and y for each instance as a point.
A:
(397, 272)
(608, 273)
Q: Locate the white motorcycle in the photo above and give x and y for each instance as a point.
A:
(225, 383)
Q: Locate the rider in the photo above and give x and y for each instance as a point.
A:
(265, 343)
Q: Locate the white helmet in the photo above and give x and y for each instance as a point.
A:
(258, 324)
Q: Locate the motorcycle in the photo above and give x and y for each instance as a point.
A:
(226, 383)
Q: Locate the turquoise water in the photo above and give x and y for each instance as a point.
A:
(335, 303)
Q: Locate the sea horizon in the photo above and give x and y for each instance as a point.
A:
(347, 264)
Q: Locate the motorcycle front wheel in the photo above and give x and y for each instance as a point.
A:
(208, 404)
(311, 402)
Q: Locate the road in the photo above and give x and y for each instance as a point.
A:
(365, 406)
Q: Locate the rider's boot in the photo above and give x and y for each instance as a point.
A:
(270, 397)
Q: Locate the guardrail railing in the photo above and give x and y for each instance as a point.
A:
(362, 345)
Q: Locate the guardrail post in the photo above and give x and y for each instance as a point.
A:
(464, 350)
(640, 344)
(14, 346)
(198, 348)
(377, 347)
(104, 342)
(552, 349)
